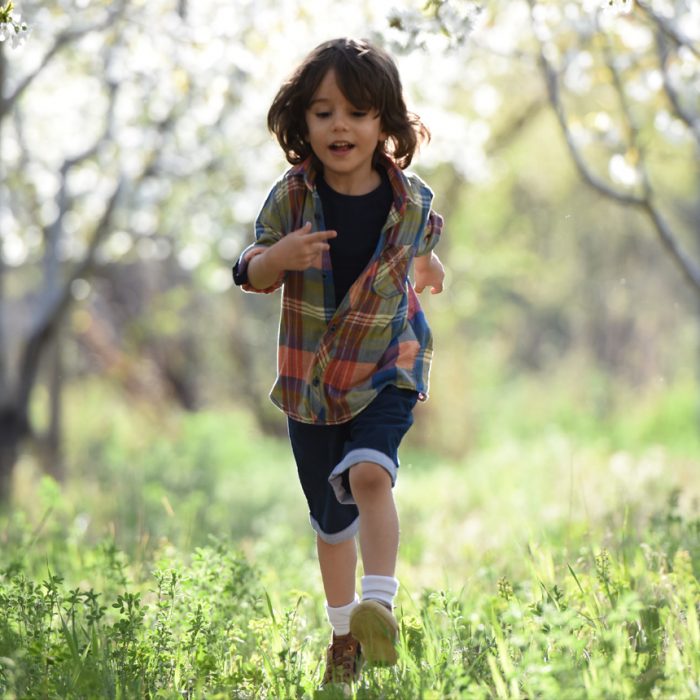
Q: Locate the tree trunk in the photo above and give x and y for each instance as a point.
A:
(52, 454)
(3, 350)
(14, 428)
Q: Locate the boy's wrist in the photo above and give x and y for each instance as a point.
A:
(423, 261)
(264, 268)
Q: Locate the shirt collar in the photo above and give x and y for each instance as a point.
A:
(399, 182)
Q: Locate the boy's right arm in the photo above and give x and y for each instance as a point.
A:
(298, 250)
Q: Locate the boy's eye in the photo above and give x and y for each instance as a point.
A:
(357, 113)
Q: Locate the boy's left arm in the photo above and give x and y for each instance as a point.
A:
(427, 268)
(428, 272)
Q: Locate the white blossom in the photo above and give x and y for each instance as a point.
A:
(449, 23)
(622, 171)
(617, 7)
(12, 30)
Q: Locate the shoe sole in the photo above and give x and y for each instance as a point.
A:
(344, 689)
(376, 629)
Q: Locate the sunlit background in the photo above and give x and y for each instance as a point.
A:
(564, 310)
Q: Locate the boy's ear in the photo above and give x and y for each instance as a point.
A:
(383, 136)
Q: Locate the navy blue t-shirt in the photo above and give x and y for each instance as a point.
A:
(358, 220)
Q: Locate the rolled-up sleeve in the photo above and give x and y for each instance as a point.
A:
(431, 233)
(269, 228)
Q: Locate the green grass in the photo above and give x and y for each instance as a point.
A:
(177, 562)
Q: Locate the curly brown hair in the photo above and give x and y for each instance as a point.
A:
(368, 78)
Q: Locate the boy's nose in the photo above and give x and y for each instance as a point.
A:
(339, 123)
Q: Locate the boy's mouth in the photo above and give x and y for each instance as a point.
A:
(341, 146)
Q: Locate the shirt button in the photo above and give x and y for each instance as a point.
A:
(316, 381)
(333, 328)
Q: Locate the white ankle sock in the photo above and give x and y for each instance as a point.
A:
(381, 588)
(340, 617)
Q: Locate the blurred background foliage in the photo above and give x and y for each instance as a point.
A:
(134, 157)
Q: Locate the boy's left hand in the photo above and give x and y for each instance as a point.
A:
(428, 272)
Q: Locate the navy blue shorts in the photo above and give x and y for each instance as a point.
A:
(325, 453)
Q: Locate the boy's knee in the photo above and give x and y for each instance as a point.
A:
(368, 477)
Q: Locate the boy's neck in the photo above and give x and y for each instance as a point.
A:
(353, 184)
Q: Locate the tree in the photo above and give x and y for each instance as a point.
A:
(642, 55)
(114, 119)
(622, 79)
(55, 295)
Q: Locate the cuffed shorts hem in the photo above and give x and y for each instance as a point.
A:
(362, 454)
(336, 537)
(324, 455)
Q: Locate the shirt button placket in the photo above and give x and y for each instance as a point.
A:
(316, 400)
(316, 378)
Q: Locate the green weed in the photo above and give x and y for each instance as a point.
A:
(539, 568)
(606, 625)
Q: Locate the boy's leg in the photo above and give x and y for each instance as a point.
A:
(316, 449)
(338, 563)
(366, 473)
(372, 622)
(379, 522)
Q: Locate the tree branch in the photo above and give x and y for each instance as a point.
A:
(690, 120)
(690, 270)
(597, 183)
(52, 232)
(62, 40)
(53, 312)
(688, 267)
(668, 29)
(632, 127)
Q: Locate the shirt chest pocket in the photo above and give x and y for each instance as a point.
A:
(392, 271)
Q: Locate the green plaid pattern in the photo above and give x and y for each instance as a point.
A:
(332, 361)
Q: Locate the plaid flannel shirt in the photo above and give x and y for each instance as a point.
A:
(332, 362)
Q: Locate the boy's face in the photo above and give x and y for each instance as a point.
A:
(343, 138)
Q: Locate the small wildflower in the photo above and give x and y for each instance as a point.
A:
(602, 566)
(505, 588)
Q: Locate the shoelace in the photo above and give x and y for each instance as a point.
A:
(344, 655)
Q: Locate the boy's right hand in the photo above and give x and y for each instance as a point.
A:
(300, 249)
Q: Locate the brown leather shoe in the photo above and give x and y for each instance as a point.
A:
(343, 661)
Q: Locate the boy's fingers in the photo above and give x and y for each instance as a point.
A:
(322, 235)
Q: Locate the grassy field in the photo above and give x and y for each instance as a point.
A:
(548, 562)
